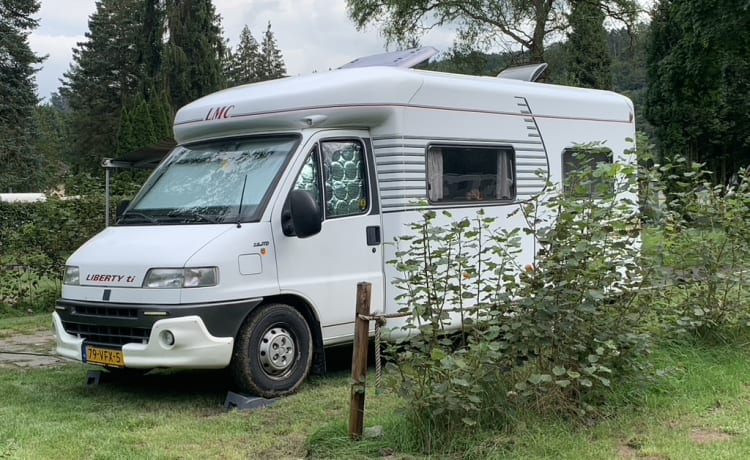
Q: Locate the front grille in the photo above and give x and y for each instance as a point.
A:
(105, 311)
(109, 335)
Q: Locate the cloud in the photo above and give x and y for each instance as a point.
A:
(311, 34)
(59, 51)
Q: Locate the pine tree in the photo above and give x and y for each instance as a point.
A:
(271, 63)
(125, 136)
(698, 97)
(105, 76)
(161, 117)
(151, 46)
(590, 64)
(194, 52)
(19, 163)
(246, 60)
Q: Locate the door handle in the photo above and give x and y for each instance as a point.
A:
(373, 235)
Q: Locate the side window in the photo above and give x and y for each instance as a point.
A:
(471, 173)
(345, 178)
(309, 177)
(578, 165)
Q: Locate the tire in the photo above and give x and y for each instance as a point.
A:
(273, 352)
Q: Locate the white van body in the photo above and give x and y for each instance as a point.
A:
(395, 121)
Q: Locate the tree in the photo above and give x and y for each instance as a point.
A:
(271, 63)
(194, 51)
(699, 95)
(49, 143)
(105, 76)
(245, 61)
(151, 47)
(589, 61)
(480, 24)
(20, 164)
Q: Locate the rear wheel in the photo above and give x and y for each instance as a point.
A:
(273, 351)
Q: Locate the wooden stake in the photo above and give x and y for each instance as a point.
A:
(359, 362)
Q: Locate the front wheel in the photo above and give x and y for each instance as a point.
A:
(273, 352)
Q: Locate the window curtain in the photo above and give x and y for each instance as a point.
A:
(504, 186)
(435, 172)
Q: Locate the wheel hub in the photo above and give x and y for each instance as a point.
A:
(277, 351)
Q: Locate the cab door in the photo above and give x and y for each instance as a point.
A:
(338, 171)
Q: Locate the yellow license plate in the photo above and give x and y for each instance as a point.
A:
(104, 356)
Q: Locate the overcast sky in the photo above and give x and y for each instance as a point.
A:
(311, 34)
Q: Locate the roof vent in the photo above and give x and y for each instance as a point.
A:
(530, 72)
(406, 59)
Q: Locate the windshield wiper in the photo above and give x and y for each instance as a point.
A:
(192, 214)
(139, 215)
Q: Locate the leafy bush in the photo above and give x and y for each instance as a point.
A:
(706, 249)
(549, 337)
(37, 238)
(577, 322)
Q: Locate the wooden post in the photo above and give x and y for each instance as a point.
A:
(359, 362)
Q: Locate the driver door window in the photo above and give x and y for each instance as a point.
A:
(344, 175)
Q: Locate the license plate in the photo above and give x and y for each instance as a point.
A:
(103, 356)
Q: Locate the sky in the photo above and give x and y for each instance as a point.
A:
(311, 34)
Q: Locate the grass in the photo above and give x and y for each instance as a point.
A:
(52, 414)
(16, 325)
(700, 412)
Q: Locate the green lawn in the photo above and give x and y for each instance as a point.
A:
(701, 411)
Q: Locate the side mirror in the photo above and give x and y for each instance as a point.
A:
(121, 207)
(306, 216)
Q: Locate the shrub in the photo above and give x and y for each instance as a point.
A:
(550, 337)
(706, 248)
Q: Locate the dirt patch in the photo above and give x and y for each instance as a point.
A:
(30, 351)
(625, 451)
(632, 450)
(709, 436)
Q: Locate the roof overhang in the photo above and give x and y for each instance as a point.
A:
(144, 158)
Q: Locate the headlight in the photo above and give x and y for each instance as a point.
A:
(72, 276)
(170, 278)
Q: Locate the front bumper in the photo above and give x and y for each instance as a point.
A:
(203, 333)
(193, 346)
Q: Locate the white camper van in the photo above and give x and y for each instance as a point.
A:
(244, 247)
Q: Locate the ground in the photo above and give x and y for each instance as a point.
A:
(34, 350)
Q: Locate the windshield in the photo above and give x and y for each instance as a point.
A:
(212, 183)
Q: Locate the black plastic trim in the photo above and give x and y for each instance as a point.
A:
(222, 319)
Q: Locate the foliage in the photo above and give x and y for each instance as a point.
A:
(705, 249)
(37, 238)
(551, 337)
(52, 135)
(104, 76)
(193, 57)
(144, 123)
(453, 273)
(480, 25)
(699, 412)
(589, 60)
(252, 63)
(577, 321)
(698, 96)
(270, 64)
(20, 162)
(244, 62)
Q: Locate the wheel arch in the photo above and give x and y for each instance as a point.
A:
(311, 316)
